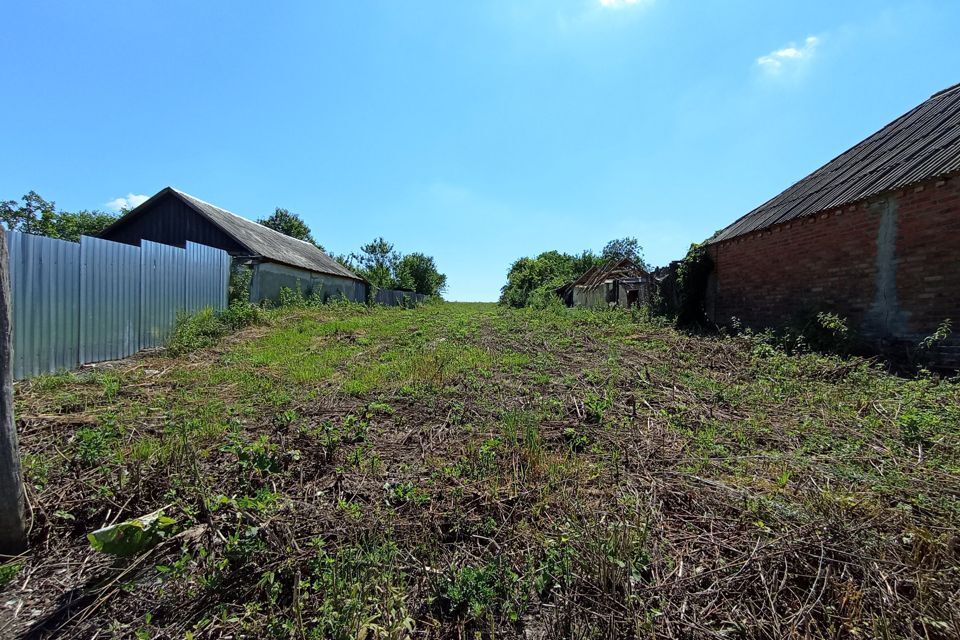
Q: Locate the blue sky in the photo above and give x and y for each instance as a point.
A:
(475, 131)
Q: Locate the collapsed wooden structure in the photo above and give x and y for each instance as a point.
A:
(616, 283)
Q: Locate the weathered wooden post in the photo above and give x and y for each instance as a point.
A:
(12, 527)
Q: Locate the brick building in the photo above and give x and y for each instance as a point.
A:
(873, 235)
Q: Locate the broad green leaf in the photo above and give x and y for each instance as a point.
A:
(133, 536)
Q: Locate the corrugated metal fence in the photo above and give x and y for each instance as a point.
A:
(100, 300)
(398, 298)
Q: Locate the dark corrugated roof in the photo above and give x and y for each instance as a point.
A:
(921, 144)
(266, 242)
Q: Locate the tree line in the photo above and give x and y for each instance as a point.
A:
(378, 261)
(533, 281)
(38, 216)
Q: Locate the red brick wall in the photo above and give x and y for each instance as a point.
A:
(829, 262)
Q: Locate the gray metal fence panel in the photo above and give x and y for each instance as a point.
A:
(163, 273)
(208, 276)
(109, 300)
(397, 298)
(44, 278)
(100, 300)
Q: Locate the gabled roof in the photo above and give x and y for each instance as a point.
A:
(258, 239)
(919, 145)
(611, 269)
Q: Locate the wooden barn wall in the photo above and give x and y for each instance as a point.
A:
(169, 221)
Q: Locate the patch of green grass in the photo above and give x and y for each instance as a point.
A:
(9, 571)
(403, 493)
(352, 592)
(480, 592)
(206, 327)
(464, 469)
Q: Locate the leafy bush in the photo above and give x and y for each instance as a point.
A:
(692, 277)
(206, 327)
(418, 272)
(239, 287)
(292, 298)
(403, 493)
(556, 566)
(196, 331)
(938, 337)
(241, 314)
(386, 268)
(92, 445)
(822, 332)
(259, 457)
(825, 332)
(296, 299)
(532, 281)
(41, 217)
(918, 426)
(356, 591)
(478, 592)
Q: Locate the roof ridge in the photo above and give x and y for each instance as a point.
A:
(236, 215)
(944, 92)
(920, 144)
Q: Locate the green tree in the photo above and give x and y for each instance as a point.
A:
(386, 268)
(343, 258)
(533, 281)
(419, 272)
(35, 215)
(289, 224)
(582, 263)
(69, 225)
(627, 248)
(377, 262)
(40, 217)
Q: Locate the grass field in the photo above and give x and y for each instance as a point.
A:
(463, 470)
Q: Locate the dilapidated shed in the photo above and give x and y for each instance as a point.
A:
(616, 283)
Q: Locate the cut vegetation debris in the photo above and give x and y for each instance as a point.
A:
(465, 470)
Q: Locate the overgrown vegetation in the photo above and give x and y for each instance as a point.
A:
(40, 217)
(206, 327)
(533, 281)
(377, 261)
(386, 268)
(458, 471)
(693, 274)
(289, 224)
(241, 276)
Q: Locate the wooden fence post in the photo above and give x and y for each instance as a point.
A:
(12, 529)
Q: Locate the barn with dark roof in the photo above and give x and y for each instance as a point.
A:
(173, 217)
(873, 235)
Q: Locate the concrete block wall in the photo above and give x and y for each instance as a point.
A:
(268, 278)
(891, 266)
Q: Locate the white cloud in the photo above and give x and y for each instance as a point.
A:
(131, 201)
(788, 57)
(619, 4)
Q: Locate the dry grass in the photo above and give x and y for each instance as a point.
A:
(463, 470)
